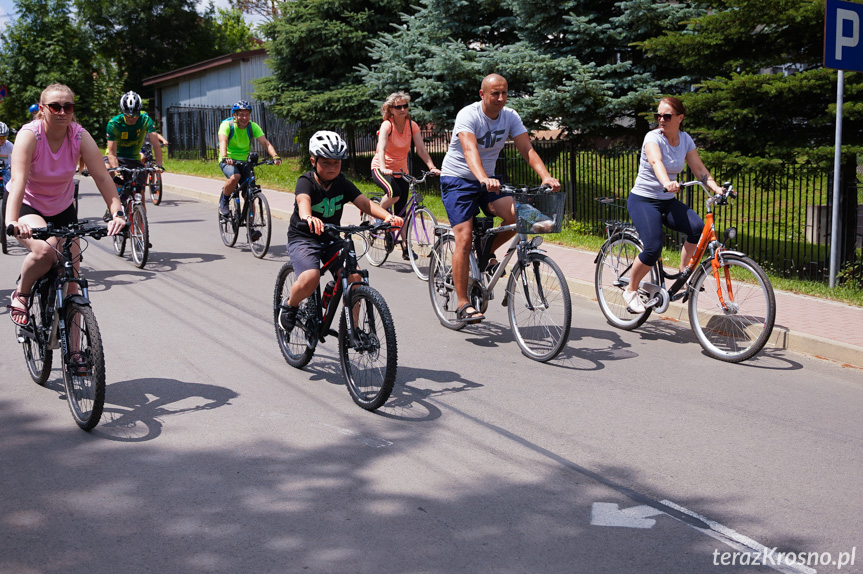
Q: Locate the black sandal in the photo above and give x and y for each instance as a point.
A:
(16, 313)
(462, 314)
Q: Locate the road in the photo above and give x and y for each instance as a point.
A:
(631, 452)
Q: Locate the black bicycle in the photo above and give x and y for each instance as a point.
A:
(253, 214)
(60, 319)
(367, 336)
(154, 178)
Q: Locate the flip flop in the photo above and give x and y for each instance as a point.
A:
(462, 314)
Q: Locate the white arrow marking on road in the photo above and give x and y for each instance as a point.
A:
(610, 514)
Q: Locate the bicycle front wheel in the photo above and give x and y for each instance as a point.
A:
(613, 268)
(540, 307)
(369, 363)
(120, 243)
(297, 346)
(732, 309)
(37, 354)
(420, 239)
(380, 242)
(259, 225)
(441, 288)
(139, 235)
(154, 183)
(84, 369)
(229, 225)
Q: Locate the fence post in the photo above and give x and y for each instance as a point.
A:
(848, 210)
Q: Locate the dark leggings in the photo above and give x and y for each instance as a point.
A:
(648, 215)
(393, 186)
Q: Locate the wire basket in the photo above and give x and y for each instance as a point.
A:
(539, 212)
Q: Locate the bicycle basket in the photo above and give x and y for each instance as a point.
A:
(539, 212)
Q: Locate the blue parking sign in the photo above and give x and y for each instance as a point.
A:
(843, 41)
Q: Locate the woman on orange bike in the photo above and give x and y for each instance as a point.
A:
(653, 201)
(394, 143)
(320, 197)
(46, 154)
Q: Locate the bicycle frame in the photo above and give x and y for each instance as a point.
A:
(414, 202)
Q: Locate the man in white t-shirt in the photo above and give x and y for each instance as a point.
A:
(467, 176)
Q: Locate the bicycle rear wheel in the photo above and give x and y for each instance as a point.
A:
(139, 236)
(229, 225)
(420, 239)
(732, 313)
(84, 374)
(370, 365)
(539, 307)
(441, 289)
(380, 242)
(297, 346)
(37, 355)
(154, 183)
(613, 268)
(259, 225)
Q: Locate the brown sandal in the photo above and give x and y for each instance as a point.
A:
(20, 316)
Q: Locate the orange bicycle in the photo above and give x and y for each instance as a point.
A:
(732, 307)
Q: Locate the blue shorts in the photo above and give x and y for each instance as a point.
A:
(463, 198)
(312, 254)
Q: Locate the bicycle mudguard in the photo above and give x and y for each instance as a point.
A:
(76, 298)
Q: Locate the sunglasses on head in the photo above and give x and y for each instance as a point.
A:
(401, 107)
(68, 107)
(666, 117)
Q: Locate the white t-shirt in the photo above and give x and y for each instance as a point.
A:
(491, 136)
(6, 156)
(673, 158)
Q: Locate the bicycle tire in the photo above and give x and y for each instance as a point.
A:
(229, 225)
(84, 393)
(370, 367)
(420, 239)
(380, 242)
(139, 236)
(441, 290)
(614, 261)
(3, 237)
(37, 354)
(154, 183)
(259, 221)
(738, 330)
(119, 242)
(541, 332)
(297, 348)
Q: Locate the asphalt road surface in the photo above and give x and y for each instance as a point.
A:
(631, 452)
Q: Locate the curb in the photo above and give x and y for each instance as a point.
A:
(781, 338)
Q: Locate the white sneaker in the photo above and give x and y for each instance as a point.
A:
(633, 301)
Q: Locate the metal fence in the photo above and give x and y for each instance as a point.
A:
(783, 215)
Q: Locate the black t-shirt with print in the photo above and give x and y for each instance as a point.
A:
(327, 204)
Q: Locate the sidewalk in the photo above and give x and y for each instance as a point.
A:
(818, 327)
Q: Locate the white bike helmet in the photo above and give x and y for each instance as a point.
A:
(130, 104)
(329, 145)
(4, 130)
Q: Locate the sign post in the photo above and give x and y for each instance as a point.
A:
(843, 50)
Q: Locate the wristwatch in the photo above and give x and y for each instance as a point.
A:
(119, 213)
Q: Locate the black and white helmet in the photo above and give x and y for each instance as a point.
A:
(329, 145)
(4, 130)
(130, 104)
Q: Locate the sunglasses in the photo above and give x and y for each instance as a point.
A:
(401, 107)
(666, 117)
(68, 107)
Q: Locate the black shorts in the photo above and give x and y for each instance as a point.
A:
(65, 217)
(312, 254)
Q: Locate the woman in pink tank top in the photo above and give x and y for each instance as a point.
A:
(47, 151)
(394, 144)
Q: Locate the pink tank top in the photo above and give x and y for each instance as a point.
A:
(50, 188)
(398, 146)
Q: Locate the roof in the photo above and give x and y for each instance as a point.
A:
(201, 66)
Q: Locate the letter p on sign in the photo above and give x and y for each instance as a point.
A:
(842, 47)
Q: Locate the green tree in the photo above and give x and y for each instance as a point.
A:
(315, 47)
(149, 37)
(45, 45)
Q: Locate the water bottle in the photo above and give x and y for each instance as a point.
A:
(328, 294)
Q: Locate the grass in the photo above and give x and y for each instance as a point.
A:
(284, 178)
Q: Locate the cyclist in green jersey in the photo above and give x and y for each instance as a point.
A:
(234, 143)
(126, 133)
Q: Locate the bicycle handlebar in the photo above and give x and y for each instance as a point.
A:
(412, 179)
(331, 229)
(529, 189)
(67, 232)
(715, 198)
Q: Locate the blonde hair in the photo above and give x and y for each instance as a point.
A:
(386, 107)
(54, 88)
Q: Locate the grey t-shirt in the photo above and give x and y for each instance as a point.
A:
(491, 136)
(673, 158)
